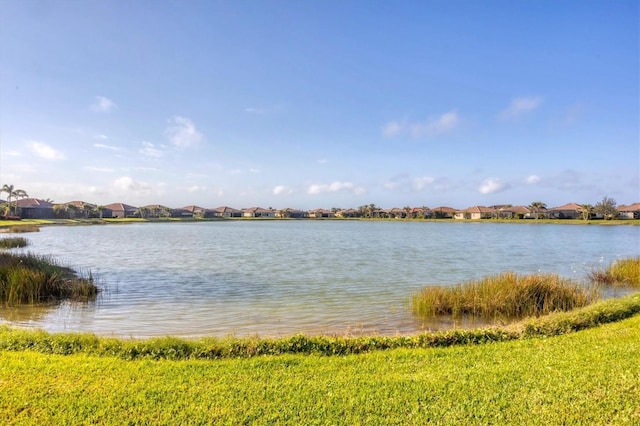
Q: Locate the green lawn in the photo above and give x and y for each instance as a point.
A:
(588, 377)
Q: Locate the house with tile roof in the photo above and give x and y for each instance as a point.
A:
(121, 210)
(631, 211)
(34, 208)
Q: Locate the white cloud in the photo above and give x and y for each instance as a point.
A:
(102, 104)
(335, 187)
(12, 153)
(492, 186)
(101, 136)
(422, 182)
(531, 180)
(196, 188)
(182, 132)
(128, 185)
(282, 190)
(43, 150)
(149, 150)
(432, 127)
(254, 170)
(520, 106)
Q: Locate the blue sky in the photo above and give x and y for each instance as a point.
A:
(308, 104)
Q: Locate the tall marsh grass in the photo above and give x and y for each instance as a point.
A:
(13, 242)
(18, 229)
(624, 273)
(30, 279)
(505, 295)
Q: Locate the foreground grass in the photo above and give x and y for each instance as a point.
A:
(624, 272)
(590, 377)
(506, 295)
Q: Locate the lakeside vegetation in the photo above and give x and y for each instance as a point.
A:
(621, 273)
(13, 242)
(504, 296)
(548, 375)
(31, 279)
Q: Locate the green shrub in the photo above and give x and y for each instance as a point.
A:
(506, 295)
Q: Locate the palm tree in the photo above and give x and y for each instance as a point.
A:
(586, 210)
(536, 207)
(100, 210)
(13, 193)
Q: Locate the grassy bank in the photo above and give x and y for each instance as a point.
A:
(30, 279)
(214, 348)
(590, 377)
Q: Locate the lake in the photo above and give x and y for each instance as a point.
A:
(277, 278)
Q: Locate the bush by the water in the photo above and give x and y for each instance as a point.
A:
(27, 278)
(505, 295)
(13, 242)
(624, 272)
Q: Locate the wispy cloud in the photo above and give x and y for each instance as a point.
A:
(128, 185)
(103, 104)
(322, 188)
(520, 106)
(282, 190)
(434, 126)
(109, 147)
(492, 186)
(407, 183)
(182, 132)
(532, 179)
(12, 153)
(45, 151)
(149, 150)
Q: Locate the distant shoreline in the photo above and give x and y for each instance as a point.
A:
(5, 225)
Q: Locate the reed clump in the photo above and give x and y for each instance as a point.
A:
(622, 273)
(17, 229)
(13, 242)
(31, 279)
(506, 295)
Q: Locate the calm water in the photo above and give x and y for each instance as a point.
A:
(276, 278)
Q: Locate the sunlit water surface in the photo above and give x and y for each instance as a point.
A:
(276, 278)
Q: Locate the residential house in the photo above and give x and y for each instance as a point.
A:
(291, 213)
(348, 213)
(258, 212)
(321, 213)
(476, 212)
(226, 211)
(33, 208)
(443, 212)
(514, 212)
(192, 211)
(568, 211)
(121, 210)
(629, 212)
